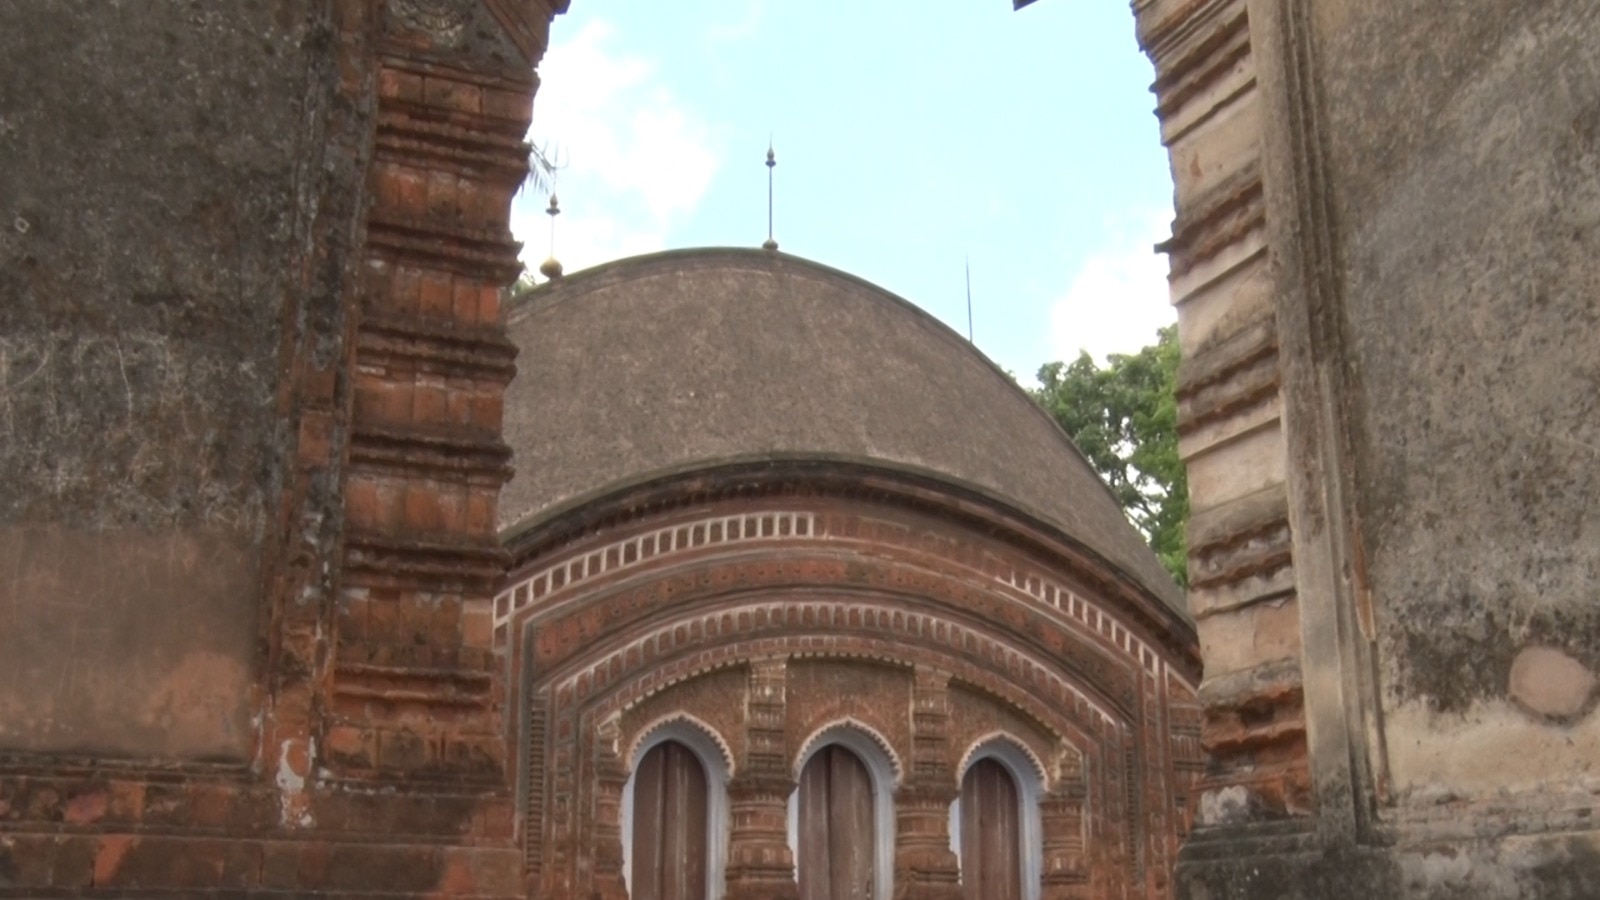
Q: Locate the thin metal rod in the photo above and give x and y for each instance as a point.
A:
(968, 260)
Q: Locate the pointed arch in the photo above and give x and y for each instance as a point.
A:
(885, 772)
(691, 731)
(711, 750)
(1032, 781)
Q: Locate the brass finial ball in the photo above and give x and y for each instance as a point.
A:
(550, 268)
(769, 244)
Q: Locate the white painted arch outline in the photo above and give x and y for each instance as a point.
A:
(712, 751)
(883, 768)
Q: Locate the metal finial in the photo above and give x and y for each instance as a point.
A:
(968, 262)
(772, 163)
(551, 267)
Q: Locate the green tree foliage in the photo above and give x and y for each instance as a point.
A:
(1124, 417)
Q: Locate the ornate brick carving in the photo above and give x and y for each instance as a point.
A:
(925, 867)
(801, 593)
(1066, 864)
(760, 864)
(611, 773)
(430, 363)
(444, 21)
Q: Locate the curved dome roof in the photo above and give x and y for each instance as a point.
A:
(664, 363)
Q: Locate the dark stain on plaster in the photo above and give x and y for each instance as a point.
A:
(141, 310)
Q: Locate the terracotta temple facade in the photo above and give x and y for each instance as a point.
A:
(761, 539)
(326, 570)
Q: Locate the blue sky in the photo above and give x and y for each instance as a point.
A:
(910, 136)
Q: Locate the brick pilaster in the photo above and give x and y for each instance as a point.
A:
(1230, 410)
(760, 863)
(611, 776)
(925, 867)
(415, 693)
(1065, 872)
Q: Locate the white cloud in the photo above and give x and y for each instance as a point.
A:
(636, 159)
(1118, 298)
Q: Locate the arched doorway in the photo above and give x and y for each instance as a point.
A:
(671, 826)
(836, 827)
(991, 834)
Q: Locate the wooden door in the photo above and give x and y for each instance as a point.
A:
(991, 834)
(837, 838)
(670, 826)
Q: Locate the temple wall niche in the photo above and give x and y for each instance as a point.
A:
(155, 223)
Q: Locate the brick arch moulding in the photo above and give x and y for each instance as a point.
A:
(734, 567)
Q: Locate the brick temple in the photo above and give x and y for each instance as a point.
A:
(330, 568)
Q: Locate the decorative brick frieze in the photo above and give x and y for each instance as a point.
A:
(1009, 540)
(577, 576)
(535, 778)
(886, 621)
(840, 608)
(1184, 733)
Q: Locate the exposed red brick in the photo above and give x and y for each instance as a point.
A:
(456, 96)
(108, 859)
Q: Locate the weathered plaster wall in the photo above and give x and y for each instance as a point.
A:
(250, 366)
(151, 227)
(1466, 175)
(1431, 198)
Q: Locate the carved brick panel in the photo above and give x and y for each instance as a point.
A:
(840, 610)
